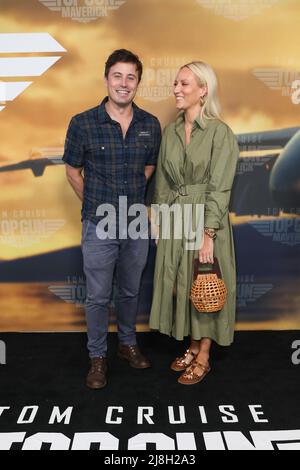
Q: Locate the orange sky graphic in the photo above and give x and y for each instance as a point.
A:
(164, 34)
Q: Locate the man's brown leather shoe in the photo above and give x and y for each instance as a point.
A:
(133, 355)
(96, 377)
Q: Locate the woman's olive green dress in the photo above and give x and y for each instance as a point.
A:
(201, 173)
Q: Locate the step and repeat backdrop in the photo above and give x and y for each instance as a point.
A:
(52, 56)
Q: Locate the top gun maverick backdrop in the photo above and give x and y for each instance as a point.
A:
(52, 54)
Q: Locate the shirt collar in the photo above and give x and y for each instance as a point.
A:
(180, 121)
(103, 116)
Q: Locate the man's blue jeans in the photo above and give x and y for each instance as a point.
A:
(101, 258)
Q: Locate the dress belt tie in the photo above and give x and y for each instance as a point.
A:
(187, 190)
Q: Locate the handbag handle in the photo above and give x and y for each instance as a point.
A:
(215, 268)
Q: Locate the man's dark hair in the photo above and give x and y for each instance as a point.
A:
(122, 55)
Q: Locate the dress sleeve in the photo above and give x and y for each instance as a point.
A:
(225, 154)
(162, 186)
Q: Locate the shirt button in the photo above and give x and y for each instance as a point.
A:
(125, 164)
(125, 182)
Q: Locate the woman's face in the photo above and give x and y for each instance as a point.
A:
(187, 91)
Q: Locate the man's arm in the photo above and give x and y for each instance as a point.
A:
(149, 169)
(74, 155)
(75, 178)
(151, 161)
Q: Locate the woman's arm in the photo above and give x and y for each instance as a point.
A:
(225, 154)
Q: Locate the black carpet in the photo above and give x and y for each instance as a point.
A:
(48, 370)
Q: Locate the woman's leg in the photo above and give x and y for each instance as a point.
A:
(198, 369)
(194, 350)
(204, 351)
(195, 346)
(181, 363)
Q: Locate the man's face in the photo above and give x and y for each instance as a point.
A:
(122, 83)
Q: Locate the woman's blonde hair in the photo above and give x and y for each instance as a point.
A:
(205, 75)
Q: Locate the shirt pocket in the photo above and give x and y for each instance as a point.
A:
(143, 150)
(96, 150)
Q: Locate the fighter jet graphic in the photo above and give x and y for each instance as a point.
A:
(271, 180)
(38, 162)
(268, 175)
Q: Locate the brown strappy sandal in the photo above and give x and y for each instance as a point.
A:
(180, 363)
(190, 377)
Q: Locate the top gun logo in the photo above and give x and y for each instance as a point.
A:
(23, 228)
(237, 9)
(285, 231)
(17, 67)
(158, 77)
(288, 81)
(89, 10)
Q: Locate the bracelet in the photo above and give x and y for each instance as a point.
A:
(210, 232)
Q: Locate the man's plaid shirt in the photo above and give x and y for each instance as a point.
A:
(113, 166)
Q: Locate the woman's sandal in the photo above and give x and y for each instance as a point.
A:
(180, 363)
(190, 376)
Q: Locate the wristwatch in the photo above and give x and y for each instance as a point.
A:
(210, 232)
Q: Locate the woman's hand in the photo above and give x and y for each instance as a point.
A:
(206, 253)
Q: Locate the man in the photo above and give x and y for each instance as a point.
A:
(116, 145)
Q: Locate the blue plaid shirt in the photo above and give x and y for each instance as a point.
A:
(113, 166)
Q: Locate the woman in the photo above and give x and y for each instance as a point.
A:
(196, 165)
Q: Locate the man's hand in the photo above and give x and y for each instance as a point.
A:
(149, 169)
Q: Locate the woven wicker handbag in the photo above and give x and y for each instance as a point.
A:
(208, 292)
